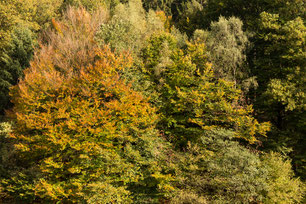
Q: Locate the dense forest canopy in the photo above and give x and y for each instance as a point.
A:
(160, 101)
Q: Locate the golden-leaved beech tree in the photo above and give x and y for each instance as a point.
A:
(82, 133)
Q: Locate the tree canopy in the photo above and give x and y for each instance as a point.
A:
(137, 101)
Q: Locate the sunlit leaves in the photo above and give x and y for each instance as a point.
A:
(191, 98)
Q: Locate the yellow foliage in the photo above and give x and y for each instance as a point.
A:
(68, 126)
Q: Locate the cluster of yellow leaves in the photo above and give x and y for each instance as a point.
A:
(35, 14)
(167, 20)
(72, 125)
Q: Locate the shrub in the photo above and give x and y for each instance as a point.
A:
(282, 187)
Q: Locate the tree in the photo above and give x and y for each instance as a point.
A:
(219, 170)
(249, 11)
(71, 42)
(129, 27)
(189, 97)
(227, 45)
(89, 5)
(7, 16)
(198, 14)
(280, 67)
(35, 14)
(82, 133)
(14, 59)
(163, 5)
(20, 22)
(77, 137)
(190, 16)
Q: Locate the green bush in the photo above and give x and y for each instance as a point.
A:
(282, 187)
(222, 171)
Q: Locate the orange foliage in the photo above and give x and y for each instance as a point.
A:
(66, 125)
(167, 20)
(70, 43)
(79, 126)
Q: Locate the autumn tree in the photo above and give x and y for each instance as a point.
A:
(71, 41)
(86, 137)
(20, 22)
(82, 133)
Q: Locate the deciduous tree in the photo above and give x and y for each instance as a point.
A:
(189, 97)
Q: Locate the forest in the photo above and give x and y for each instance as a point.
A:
(152, 101)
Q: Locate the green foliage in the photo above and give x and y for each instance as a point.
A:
(35, 14)
(249, 11)
(90, 5)
(189, 97)
(188, 197)
(282, 187)
(8, 19)
(5, 130)
(227, 172)
(163, 5)
(7, 159)
(283, 60)
(190, 16)
(198, 14)
(129, 26)
(227, 44)
(219, 170)
(14, 59)
(19, 21)
(89, 124)
(276, 59)
(280, 67)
